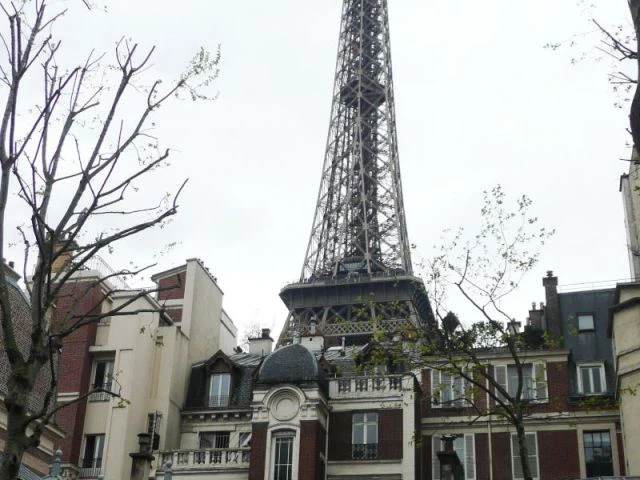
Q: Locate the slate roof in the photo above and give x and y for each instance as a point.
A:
(291, 364)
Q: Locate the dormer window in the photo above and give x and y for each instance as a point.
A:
(219, 389)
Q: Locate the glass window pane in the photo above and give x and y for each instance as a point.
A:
(358, 418)
(585, 322)
(372, 434)
(358, 434)
(597, 384)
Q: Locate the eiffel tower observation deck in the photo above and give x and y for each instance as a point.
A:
(357, 276)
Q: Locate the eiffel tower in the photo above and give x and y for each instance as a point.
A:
(357, 276)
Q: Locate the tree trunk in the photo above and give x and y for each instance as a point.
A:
(523, 450)
(634, 112)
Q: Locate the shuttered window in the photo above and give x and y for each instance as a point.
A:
(532, 447)
(534, 381)
(449, 390)
(464, 446)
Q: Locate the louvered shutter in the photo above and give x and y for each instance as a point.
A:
(470, 457)
(532, 447)
(500, 372)
(435, 461)
(540, 379)
(515, 457)
(436, 394)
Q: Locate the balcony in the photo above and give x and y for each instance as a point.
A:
(217, 401)
(369, 387)
(206, 460)
(90, 468)
(368, 451)
(102, 396)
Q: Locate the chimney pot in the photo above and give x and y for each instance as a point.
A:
(549, 273)
(266, 332)
(11, 264)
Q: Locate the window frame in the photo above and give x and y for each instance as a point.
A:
(516, 454)
(584, 449)
(275, 437)
(107, 379)
(454, 384)
(538, 377)
(362, 451)
(593, 322)
(222, 399)
(591, 367)
(93, 467)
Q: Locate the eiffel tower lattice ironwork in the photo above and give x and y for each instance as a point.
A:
(357, 274)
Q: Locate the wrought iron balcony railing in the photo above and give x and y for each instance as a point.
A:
(90, 468)
(364, 451)
(102, 396)
(219, 401)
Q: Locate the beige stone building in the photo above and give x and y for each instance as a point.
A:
(624, 329)
(143, 356)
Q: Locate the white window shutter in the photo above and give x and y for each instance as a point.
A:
(435, 461)
(515, 457)
(500, 372)
(436, 394)
(470, 457)
(532, 447)
(540, 378)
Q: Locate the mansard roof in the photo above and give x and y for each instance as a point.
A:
(291, 364)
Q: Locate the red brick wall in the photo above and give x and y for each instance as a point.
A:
(501, 448)
(175, 314)
(482, 455)
(21, 318)
(558, 454)
(75, 362)
(340, 436)
(174, 286)
(390, 434)
(312, 437)
(258, 451)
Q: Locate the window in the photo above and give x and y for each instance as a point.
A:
(449, 390)
(153, 428)
(92, 459)
(585, 322)
(283, 456)
(364, 439)
(214, 439)
(591, 379)
(534, 380)
(219, 390)
(532, 448)
(244, 441)
(464, 446)
(208, 441)
(597, 453)
(102, 378)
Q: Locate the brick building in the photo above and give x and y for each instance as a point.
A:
(128, 371)
(35, 460)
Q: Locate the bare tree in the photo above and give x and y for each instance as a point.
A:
(74, 182)
(484, 270)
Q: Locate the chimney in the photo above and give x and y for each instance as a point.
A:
(535, 315)
(261, 345)
(11, 274)
(552, 309)
(64, 257)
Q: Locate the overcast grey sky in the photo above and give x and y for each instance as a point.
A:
(479, 101)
